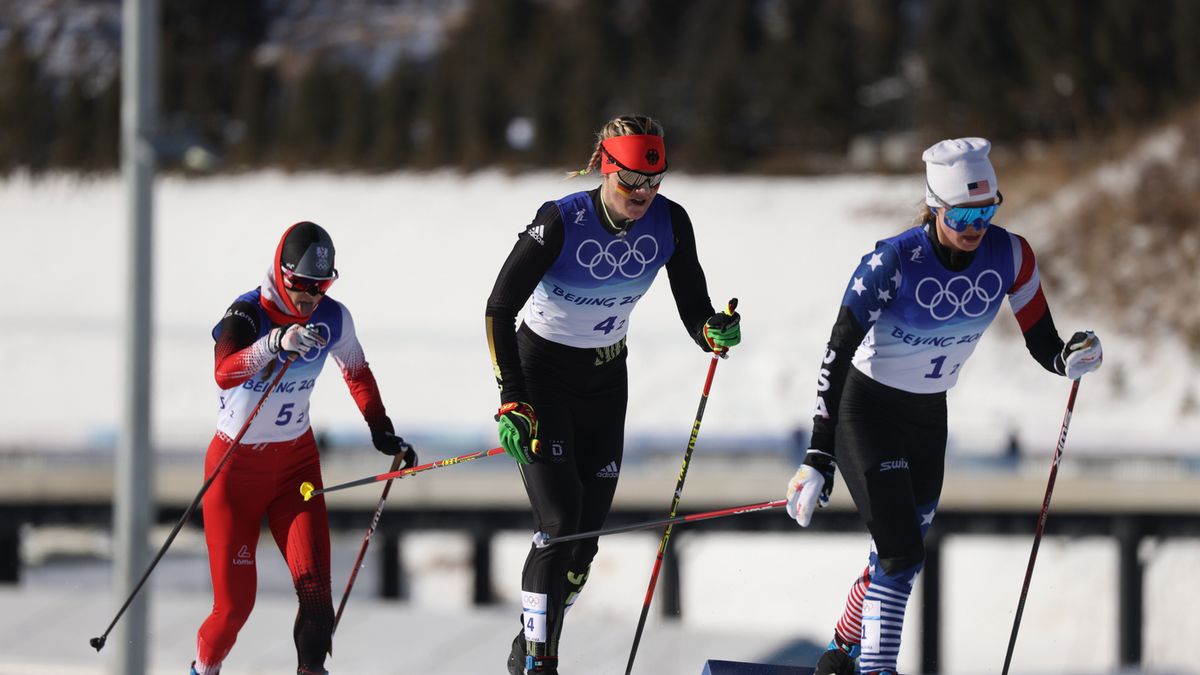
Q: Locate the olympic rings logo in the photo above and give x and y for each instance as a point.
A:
(618, 256)
(960, 294)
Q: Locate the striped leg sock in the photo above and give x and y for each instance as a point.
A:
(882, 624)
(849, 627)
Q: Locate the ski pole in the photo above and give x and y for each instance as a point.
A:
(540, 539)
(1041, 524)
(337, 618)
(309, 491)
(687, 458)
(98, 642)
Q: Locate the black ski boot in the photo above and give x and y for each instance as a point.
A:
(839, 659)
(516, 657)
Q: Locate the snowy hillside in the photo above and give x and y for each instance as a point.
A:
(418, 254)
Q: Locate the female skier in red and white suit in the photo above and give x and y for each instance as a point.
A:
(288, 316)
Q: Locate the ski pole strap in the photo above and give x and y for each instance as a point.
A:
(541, 540)
(309, 491)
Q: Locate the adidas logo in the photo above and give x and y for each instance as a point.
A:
(610, 471)
(535, 233)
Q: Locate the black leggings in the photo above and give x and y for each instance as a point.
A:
(580, 397)
(891, 451)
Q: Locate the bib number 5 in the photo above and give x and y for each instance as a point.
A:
(285, 415)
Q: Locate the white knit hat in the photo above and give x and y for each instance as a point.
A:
(958, 171)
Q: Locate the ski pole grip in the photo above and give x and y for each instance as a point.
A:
(731, 307)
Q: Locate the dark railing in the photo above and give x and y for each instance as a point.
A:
(1129, 529)
(488, 502)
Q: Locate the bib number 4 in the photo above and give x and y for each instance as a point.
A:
(608, 325)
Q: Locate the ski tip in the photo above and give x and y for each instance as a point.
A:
(306, 489)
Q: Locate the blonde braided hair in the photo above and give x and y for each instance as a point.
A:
(625, 125)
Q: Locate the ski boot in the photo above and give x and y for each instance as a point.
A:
(192, 670)
(839, 659)
(516, 657)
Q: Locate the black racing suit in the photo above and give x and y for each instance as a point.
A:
(579, 395)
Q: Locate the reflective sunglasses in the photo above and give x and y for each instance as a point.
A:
(959, 218)
(309, 285)
(632, 180)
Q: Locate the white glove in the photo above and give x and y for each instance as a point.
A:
(1082, 354)
(295, 338)
(810, 486)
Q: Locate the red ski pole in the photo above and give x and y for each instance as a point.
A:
(540, 539)
(309, 490)
(98, 642)
(687, 458)
(362, 552)
(1041, 524)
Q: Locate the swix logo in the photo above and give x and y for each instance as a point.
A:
(579, 216)
(894, 464)
(1062, 438)
(610, 471)
(244, 557)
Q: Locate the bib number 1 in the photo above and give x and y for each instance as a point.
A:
(938, 363)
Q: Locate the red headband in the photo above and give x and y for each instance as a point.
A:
(644, 153)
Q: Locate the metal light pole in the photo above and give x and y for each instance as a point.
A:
(133, 496)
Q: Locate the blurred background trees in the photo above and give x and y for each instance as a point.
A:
(767, 86)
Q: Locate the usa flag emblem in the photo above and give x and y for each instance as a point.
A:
(979, 187)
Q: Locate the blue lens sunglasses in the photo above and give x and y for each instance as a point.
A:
(959, 218)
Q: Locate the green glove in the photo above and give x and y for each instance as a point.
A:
(518, 432)
(722, 331)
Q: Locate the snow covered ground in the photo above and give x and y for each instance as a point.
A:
(746, 597)
(418, 254)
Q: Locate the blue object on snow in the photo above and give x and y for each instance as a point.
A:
(712, 667)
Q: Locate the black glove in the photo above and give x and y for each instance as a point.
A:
(385, 440)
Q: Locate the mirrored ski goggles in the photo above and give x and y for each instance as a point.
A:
(309, 285)
(959, 218)
(633, 180)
